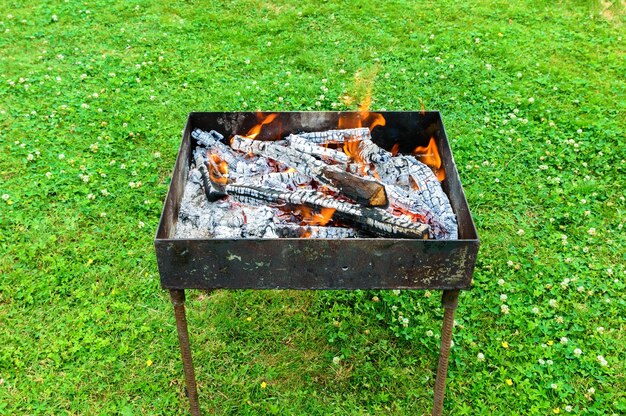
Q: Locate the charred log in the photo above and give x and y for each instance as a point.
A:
(312, 231)
(337, 136)
(365, 191)
(305, 146)
(373, 220)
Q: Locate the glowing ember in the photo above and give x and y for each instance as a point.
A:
(429, 155)
(218, 169)
(412, 215)
(309, 217)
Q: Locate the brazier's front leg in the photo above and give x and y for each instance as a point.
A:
(178, 301)
(450, 300)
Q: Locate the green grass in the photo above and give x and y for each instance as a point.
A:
(533, 95)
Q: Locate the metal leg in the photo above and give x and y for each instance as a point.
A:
(450, 300)
(178, 300)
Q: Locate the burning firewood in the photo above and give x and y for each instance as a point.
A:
(376, 191)
(417, 188)
(373, 220)
(365, 191)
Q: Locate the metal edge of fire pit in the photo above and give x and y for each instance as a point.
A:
(287, 263)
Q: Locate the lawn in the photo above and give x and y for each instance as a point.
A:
(93, 98)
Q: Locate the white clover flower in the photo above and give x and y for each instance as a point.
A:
(104, 192)
(503, 297)
(103, 214)
(531, 100)
(451, 343)
(580, 289)
(394, 308)
(6, 197)
(61, 156)
(564, 340)
(509, 263)
(552, 303)
(549, 362)
(569, 408)
(396, 292)
(30, 156)
(501, 282)
(554, 386)
(141, 224)
(578, 352)
(591, 390)
(602, 361)
(504, 309)
(429, 333)
(480, 356)
(91, 196)
(600, 329)
(336, 360)
(48, 175)
(520, 232)
(541, 361)
(405, 321)
(591, 231)
(535, 310)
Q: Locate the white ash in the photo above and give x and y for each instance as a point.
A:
(199, 218)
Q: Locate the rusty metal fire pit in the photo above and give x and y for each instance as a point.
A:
(301, 263)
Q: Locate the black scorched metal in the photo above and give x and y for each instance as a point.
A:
(300, 263)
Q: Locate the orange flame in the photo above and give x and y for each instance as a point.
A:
(352, 148)
(362, 119)
(429, 155)
(254, 131)
(218, 169)
(316, 218)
